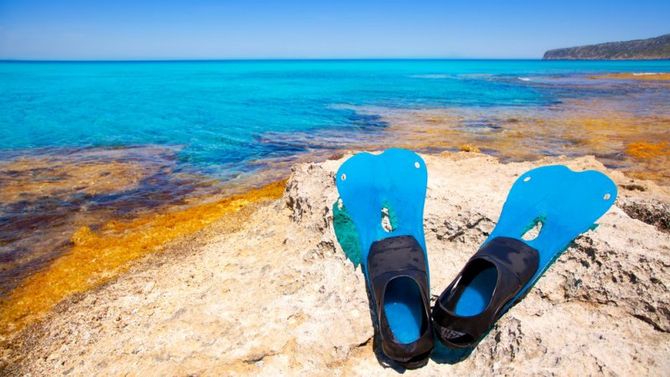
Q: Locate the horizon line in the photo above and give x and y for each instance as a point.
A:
(248, 59)
(167, 60)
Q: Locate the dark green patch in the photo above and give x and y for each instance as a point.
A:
(346, 234)
(540, 219)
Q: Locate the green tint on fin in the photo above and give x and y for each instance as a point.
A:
(346, 234)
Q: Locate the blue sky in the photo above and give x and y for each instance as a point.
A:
(168, 29)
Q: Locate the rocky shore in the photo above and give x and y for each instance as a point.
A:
(275, 295)
(650, 48)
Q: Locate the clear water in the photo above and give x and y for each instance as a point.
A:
(224, 115)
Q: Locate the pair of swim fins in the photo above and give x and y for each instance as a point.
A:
(382, 201)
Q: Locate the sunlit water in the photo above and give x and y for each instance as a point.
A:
(219, 114)
(82, 143)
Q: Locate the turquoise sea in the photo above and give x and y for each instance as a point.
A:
(85, 143)
(223, 117)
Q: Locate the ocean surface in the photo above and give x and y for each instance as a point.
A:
(222, 117)
(95, 151)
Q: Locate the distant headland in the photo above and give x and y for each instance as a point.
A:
(652, 48)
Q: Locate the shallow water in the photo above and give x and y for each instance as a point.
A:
(223, 115)
(86, 145)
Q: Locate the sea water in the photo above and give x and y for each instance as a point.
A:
(89, 148)
(222, 117)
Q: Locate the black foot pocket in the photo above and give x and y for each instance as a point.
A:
(399, 275)
(460, 321)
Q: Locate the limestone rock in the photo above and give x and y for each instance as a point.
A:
(278, 297)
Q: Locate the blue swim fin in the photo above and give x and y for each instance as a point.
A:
(559, 202)
(383, 195)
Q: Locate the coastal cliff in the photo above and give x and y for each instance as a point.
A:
(652, 48)
(276, 295)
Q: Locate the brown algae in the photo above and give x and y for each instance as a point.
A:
(651, 76)
(628, 140)
(98, 256)
(44, 198)
(646, 150)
